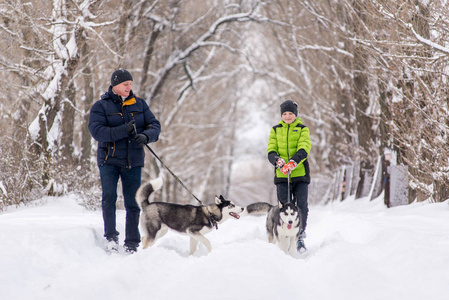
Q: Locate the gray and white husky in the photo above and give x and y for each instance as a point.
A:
(157, 217)
(283, 223)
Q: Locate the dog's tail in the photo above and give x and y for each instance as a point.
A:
(258, 208)
(145, 190)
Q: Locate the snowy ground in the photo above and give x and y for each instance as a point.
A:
(357, 250)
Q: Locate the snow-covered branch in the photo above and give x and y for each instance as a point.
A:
(326, 49)
(178, 57)
(425, 41)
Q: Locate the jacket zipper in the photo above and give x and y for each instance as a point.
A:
(288, 150)
(127, 146)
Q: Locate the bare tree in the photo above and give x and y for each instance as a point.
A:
(66, 74)
(369, 77)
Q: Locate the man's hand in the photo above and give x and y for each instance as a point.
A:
(141, 139)
(131, 127)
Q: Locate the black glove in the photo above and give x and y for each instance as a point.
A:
(131, 127)
(141, 139)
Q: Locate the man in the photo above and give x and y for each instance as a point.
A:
(122, 124)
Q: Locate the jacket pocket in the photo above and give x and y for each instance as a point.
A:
(111, 150)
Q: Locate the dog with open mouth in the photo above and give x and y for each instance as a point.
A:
(283, 223)
(157, 217)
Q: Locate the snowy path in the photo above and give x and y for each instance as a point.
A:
(357, 250)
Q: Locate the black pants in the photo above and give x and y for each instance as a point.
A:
(300, 191)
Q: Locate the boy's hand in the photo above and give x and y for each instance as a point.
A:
(288, 167)
(280, 163)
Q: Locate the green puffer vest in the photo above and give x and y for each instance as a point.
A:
(286, 140)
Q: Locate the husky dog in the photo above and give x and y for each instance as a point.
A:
(157, 217)
(283, 223)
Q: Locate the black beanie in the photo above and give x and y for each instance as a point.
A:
(290, 106)
(119, 76)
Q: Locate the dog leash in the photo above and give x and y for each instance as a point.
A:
(289, 195)
(173, 174)
(211, 218)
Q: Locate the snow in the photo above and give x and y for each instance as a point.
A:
(357, 250)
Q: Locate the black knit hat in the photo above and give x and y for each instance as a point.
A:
(119, 76)
(290, 106)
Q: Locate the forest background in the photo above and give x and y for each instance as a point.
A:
(369, 76)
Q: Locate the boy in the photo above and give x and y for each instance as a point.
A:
(288, 148)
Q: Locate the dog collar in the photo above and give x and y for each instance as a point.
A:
(213, 222)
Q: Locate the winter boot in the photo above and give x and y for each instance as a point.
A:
(130, 249)
(300, 246)
(112, 245)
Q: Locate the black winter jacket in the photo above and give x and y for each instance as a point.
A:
(107, 125)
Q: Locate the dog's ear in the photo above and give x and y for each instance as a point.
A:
(218, 199)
